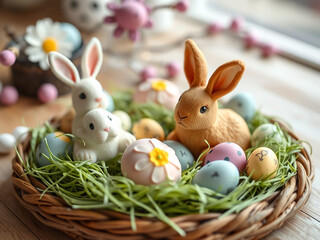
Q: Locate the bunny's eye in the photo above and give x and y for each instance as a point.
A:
(82, 96)
(91, 126)
(203, 109)
(110, 118)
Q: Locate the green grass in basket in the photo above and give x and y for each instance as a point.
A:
(85, 185)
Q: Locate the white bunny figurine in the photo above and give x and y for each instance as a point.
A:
(102, 135)
(87, 92)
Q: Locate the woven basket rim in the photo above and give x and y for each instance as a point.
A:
(253, 222)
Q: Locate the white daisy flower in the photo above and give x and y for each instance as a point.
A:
(44, 37)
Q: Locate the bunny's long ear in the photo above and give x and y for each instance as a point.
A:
(63, 68)
(225, 79)
(195, 65)
(92, 59)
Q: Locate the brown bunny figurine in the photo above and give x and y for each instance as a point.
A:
(197, 115)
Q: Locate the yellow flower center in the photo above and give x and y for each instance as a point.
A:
(159, 85)
(49, 45)
(159, 157)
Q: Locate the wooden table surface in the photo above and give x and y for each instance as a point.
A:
(281, 87)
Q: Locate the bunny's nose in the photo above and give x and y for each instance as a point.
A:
(107, 129)
(98, 99)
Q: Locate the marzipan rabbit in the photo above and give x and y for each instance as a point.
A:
(87, 92)
(197, 115)
(102, 135)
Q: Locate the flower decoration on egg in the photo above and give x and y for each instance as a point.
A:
(44, 37)
(159, 91)
(149, 161)
(130, 15)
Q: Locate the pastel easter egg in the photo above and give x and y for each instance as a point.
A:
(184, 155)
(262, 163)
(73, 35)
(148, 128)
(110, 107)
(159, 91)
(244, 104)
(264, 131)
(227, 151)
(149, 161)
(7, 142)
(125, 119)
(20, 133)
(220, 176)
(58, 144)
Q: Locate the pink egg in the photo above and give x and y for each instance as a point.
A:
(173, 69)
(182, 5)
(7, 58)
(148, 72)
(149, 161)
(47, 92)
(214, 28)
(237, 24)
(9, 95)
(227, 151)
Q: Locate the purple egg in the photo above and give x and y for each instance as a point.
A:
(227, 151)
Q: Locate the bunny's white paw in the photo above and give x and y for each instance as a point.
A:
(126, 140)
(84, 155)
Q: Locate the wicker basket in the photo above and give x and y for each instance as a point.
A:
(253, 222)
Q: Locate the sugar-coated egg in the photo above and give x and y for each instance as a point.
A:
(227, 151)
(7, 142)
(110, 107)
(220, 176)
(73, 35)
(244, 104)
(20, 133)
(159, 91)
(148, 128)
(58, 144)
(262, 163)
(149, 161)
(124, 119)
(67, 120)
(184, 155)
(267, 130)
(9, 95)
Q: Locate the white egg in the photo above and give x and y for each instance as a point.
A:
(124, 118)
(7, 142)
(20, 133)
(264, 131)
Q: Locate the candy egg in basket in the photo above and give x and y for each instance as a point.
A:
(205, 181)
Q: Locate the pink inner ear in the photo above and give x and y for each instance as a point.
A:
(92, 59)
(224, 80)
(64, 69)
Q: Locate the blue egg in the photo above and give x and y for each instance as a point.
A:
(220, 176)
(184, 155)
(244, 104)
(110, 107)
(58, 144)
(73, 35)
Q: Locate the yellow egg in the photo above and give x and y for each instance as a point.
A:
(148, 128)
(262, 163)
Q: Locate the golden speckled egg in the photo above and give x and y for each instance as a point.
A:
(262, 163)
(66, 121)
(148, 128)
